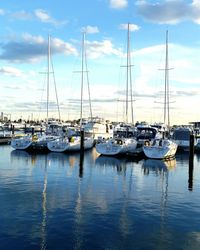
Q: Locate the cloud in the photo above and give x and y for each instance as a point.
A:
(2, 12)
(15, 87)
(33, 48)
(22, 15)
(132, 27)
(38, 14)
(44, 17)
(118, 4)
(170, 11)
(90, 29)
(97, 49)
(11, 71)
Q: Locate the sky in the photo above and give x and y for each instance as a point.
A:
(26, 26)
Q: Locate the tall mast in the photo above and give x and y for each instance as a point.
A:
(127, 71)
(82, 77)
(130, 80)
(128, 77)
(48, 78)
(166, 98)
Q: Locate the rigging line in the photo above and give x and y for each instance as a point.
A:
(56, 90)
(48, 79)
(42, 96)
(82, 78)
(87, 75)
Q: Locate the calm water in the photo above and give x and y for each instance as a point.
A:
(49, 202)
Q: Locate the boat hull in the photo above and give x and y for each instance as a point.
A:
(116, 147)
(21, 144)
(160, 152)
(66, 146)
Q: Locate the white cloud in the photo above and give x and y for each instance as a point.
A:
(118, 4)
(90, 29)
(22, 15)
(33, 39)
(59, 46)
(2, 12)
(132, 27)
(98, 49)
(170, 11)
(45, 17)
(11, 71)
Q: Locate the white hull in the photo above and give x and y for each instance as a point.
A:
(40, 143)
(116, 146)
(22, 143)
(167, 149)
(63, 144)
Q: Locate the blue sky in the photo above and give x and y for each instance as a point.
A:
(25, 26)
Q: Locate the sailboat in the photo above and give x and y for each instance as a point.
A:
(121, 144)
(37, 142)
(162, 148)
(67, 144)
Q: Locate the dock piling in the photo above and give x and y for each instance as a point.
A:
(191, 163)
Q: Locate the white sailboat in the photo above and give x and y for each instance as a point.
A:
(38, 142)
(162, 148)
(22, 142)
(65, 144)
(118, 144)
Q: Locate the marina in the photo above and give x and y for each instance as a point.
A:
(99, 125)
(60, 201)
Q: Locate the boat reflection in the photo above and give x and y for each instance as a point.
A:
(19, 153)
(108, 161)
(21, 156)
(52, 158)
(158, 166)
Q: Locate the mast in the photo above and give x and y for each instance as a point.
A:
(127, 71)
(129, 77)
(48, 79)
(82, 77)
(166, 97)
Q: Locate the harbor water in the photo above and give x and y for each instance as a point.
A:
(56, 201)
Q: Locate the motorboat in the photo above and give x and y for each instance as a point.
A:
(98, 128)
(181, 136)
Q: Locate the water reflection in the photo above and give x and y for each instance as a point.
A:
(44, 209)
(108, 161)
(158, 166)
(58, 211)
(52, 158)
